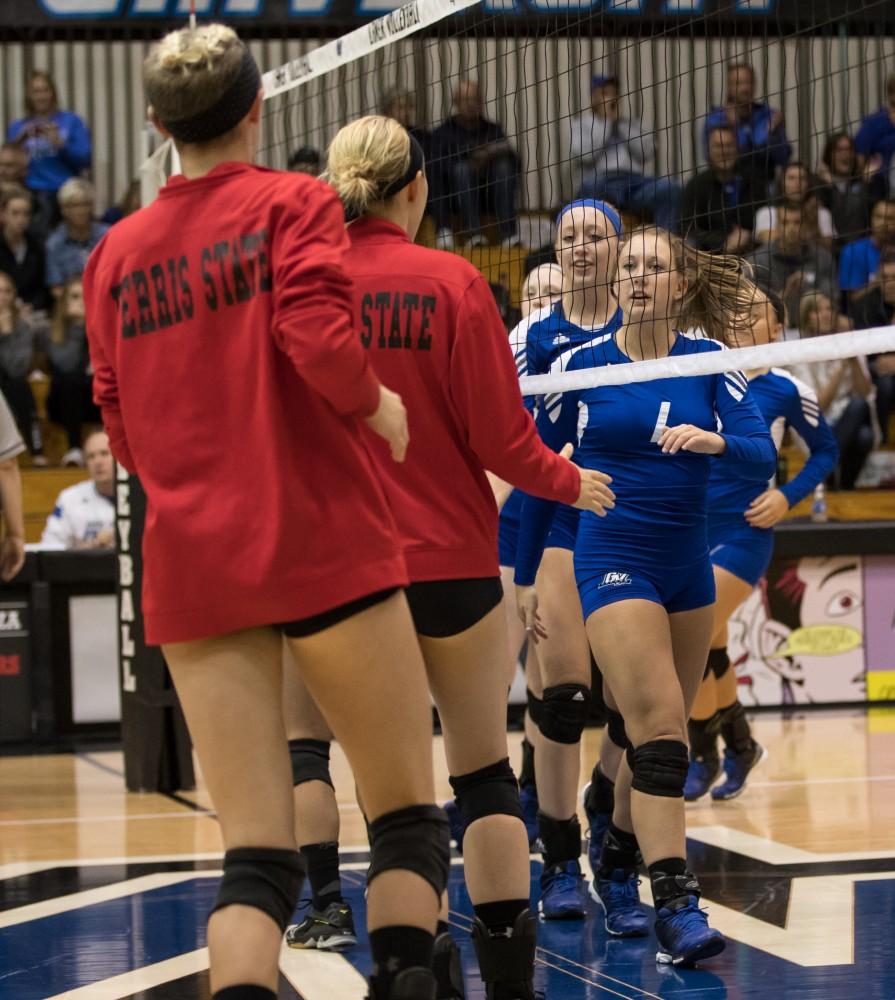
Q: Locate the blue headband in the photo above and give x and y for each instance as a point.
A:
(601, 206)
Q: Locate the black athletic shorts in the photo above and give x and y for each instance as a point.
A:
(301, 628)
(441, 608)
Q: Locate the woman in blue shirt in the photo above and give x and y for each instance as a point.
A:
(643, 571)
(587, 241)
(57, 142)
(743, 510)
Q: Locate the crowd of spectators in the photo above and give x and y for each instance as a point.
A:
(822, 236)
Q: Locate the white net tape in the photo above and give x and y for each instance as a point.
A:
(859, 343)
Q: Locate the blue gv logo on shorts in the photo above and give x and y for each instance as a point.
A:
(615, 579)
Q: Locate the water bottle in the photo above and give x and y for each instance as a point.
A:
(819, 505)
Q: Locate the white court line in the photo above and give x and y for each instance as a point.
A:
(16, 869)
(318, 975)
(146, 978)
(204, 813)
(774, 853)
(102, 894)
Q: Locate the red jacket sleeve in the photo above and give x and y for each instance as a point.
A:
(313, 315)
(485, 390)
(102, 331)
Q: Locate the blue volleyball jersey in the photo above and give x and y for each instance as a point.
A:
(784, 401)
(660, 511)
(543, 343)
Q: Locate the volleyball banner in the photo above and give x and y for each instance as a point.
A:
(650, 16)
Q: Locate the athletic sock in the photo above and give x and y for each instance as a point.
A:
(500, 917)
(527, 772)
(561, 839)
(735, 729)
(601, 794)
(322, 862)
(620, 850)
(397, 948)
(671, 882)
(246, 992)
(703, 735)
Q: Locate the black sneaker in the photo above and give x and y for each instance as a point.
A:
(448, 968)
(329, 930)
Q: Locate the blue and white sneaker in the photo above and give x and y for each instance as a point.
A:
(597, 825)
(562, 892)
(701, 776)
(617, 895)
(456, 823)
(737, 768)
(528, 799)
(684, 934)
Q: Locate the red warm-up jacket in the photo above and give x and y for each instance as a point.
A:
(230, 375)
(435, 336)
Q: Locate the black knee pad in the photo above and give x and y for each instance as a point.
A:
(718, 663)
(416, 839)
(310, 761)
(615, 729)
(535, 707)
(490, 791)
(660, 768)
(565, 712)
(266, 878)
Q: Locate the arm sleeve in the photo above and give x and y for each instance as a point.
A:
(485, 391)
(313, 314)
(746, 435)
(102, 327)
(53, 271)
(59, 533)
(850, 274)
(804, 416)
(864, 138)
(557, 421)
(78, 149)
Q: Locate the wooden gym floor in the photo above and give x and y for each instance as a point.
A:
(103, 894)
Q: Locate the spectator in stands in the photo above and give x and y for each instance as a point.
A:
(790, 265)
(57, 142)
(13, 164)
(305, 160)
(844, 390)
(84, 514)
(479, 169)
(541, 288)
(717, 213)
(129, 203)
(877, 308)
(14, 177)
(859, 262)
(613, 158)
(400, 104)
(71, 243)
(16, 361)
(70, 401)
(849, 189)
(876, 136)
(795, 186)
(761, 137)
(12, 547)
(22, 256)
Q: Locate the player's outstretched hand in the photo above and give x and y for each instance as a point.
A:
(527, 608)
(767, 510)
(686, 437)
(594, 494)
(390, 422)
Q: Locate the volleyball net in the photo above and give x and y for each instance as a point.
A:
(736, 131)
